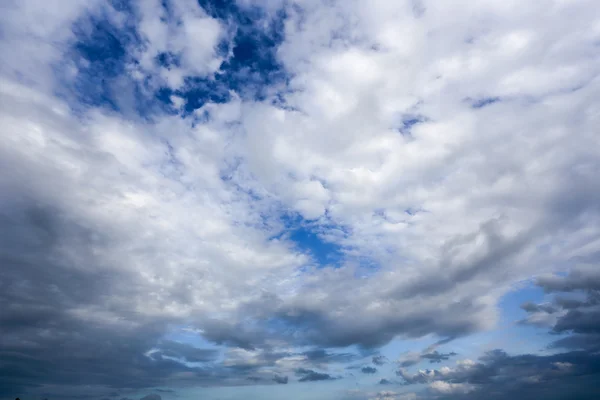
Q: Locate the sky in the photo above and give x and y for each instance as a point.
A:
(299, 199)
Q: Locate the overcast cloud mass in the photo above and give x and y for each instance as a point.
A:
(299, 199)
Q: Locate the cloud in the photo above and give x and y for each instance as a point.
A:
(307, 375)
(429, 353)
(368, 370)
(498, 375)
(574, 309)
(437, 357)
(154, 154)
(442, 387)
(379, 360)
(322, 356)
(281, 379)
(186, 352)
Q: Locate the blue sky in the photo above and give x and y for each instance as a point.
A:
(307, 199)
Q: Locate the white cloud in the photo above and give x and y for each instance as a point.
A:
(184, 31)
(450, 388)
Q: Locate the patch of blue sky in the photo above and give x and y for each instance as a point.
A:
(308, 237)
(101, 54)
(509, 333)
(483, 101)
(251, 68)
(193, 337)
(408, 122)
(103, 51)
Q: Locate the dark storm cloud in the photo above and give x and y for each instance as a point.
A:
(282, 380)
(368, 370)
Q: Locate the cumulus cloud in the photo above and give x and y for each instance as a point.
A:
(443, 387)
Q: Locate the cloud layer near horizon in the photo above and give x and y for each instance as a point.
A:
(158, 161)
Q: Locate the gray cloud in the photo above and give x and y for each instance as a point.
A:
(577, 316)
(368, 370)
(318, 356)
(307, 375)
(437, 357)
(571, 374)
(186, 352)
(379, 360)
(500, 376)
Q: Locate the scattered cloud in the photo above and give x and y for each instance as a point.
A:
(498, 375)
(379, 360)
(307, 375)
